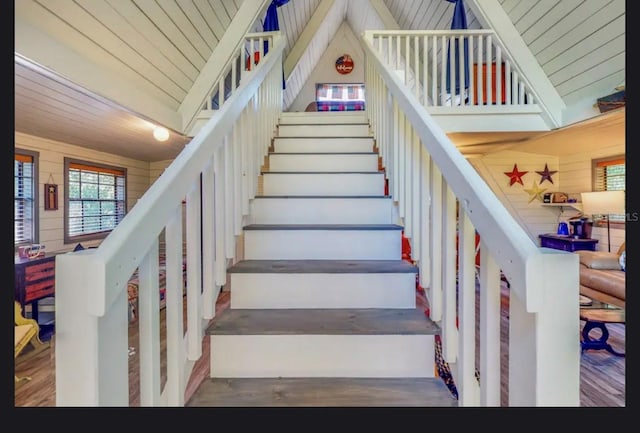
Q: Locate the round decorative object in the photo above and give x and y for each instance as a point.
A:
(344, 64)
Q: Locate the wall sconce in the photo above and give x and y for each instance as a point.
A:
(160, 133)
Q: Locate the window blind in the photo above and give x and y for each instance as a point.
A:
(610, 176)
(96, 198)
(24, 203)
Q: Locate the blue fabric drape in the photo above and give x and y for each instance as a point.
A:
(270, 23)
(458, 22)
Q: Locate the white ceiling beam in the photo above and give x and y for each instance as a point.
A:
(212, 71)
(491, 15)
(306, 36)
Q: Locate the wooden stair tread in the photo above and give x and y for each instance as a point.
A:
(322, 392)
(322, 267)
(324, 137)
(321, 172)
(347, 321)
(323, 227)
(324, 196)
(324, 123)
(323, 153)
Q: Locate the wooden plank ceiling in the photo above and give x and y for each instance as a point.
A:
(162, 45)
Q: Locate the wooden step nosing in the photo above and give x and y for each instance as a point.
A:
(322, 172)
(330, 137)
(323, 321)
(373, 267)
(327, 227)
(323, 391)
(323, 153)
(325, 124)
(331, 197)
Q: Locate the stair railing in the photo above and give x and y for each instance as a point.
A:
(437, 64)
(245, 58)
(443, 203)
(211, 181)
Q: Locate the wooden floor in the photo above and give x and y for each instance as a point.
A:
(602, 375)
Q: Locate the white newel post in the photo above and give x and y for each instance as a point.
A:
(91, 351)
(544, 347)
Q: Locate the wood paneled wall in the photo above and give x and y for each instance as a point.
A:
(51, 163)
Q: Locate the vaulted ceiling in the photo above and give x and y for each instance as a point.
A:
(101, 73)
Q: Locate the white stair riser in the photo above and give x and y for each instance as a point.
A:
(322, 356)
(320, 145)
(321, 211)
(323, 290)
(324, 130)
(322, 244)
(323, 162)
(296, 118)
(338, 184)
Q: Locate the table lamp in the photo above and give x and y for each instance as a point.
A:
(603, 203)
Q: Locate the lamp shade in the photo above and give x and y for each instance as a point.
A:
(603, 202)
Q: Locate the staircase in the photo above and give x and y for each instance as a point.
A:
(323, 308)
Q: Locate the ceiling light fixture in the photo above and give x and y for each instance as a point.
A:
(160, 133)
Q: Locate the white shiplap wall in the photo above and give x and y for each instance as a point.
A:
(156, 169)
(580, 45)
(314, 52)
(292, 19)
(533, 218)
(427, 15)
(51, 162)
(160, 45)
(573, 177)
(344, 42)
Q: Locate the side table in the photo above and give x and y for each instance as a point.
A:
(567, 243)
(597, 318)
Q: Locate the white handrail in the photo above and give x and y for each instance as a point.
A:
(91, 295)
(455, 203)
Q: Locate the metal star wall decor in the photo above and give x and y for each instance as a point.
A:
(534, 192)
(515, 175)
(546, 174)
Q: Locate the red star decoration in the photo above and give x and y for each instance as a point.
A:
(546, 174)
(515, 175)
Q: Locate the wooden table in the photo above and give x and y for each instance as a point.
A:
(34, 280)
(597, 318)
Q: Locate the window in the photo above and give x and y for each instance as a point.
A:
(340, 97)
(609, 175)
(95, 198)
(25, 192)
